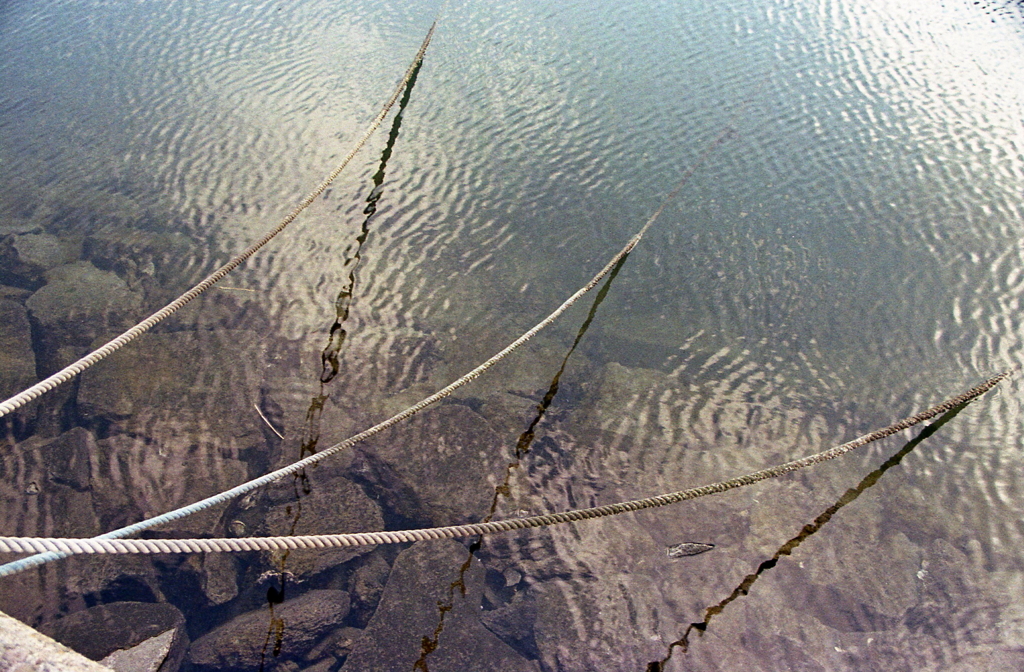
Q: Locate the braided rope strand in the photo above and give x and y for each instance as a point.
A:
(124, 546)
(72, 370)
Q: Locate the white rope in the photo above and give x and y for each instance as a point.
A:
(64, 547)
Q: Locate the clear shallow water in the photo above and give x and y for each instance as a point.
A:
(850, 256)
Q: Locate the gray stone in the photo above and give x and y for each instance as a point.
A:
(219, 577)
(147, 656)
(513, 622)
(338, 644)
(368, 583)
(45, 486)
(430, 614)
(287, 631)
(144, 258)
(79, 303)
(49, 592)
(17, 360)
(67, 459)
(25, 259)
(440, 467)
(100, 631)
(326, 665)
(136, 478)
(197, 381)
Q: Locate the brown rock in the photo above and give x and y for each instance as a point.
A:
(440, 467)
(293, 626)
(434, 589)
(322, 503)
(135, 478)
(79, 302)
(17, 360)
(180, 409)
(25, 259)
(148, 656)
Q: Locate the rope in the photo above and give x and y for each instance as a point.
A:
(69, 372)
(25, 563)
(124, 546)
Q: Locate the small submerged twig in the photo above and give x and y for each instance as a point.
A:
(272, 428)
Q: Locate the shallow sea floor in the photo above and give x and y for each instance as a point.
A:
(849, 256)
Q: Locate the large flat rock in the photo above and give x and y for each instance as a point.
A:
(23, 649)
(440, 467)
(179, 409)
(317, 502)
(48, 489)
(79, 303)
(25, 259)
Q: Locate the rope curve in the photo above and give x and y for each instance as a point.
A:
(72, 370)
(65, 547)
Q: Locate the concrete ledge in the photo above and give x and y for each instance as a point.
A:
(22, 649)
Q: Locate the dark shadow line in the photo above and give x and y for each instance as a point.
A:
(787, 548)
(330, 363)
(429, 644)
(525, 440)
(330, 356)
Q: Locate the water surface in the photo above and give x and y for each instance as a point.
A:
(850, 256)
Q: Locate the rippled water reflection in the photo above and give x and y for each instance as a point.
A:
(850, 256)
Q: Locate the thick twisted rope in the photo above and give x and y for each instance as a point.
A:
(295, 467)
(69, 372)
(123, 546)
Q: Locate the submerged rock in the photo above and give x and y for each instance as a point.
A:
(17, 360)
(26, 258)
(219, 579)
(22, 649)
(79, 303)
(179, 410)
(148, 656)
(287, 631)
(338, 644)
(136, 478)
(99, 631)
(440, 467)
(46, 486)
(430, 612)
(319, 503)
(367, 585)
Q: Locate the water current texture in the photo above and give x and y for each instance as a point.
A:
(851, 255)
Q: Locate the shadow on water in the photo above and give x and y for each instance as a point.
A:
(330, 364)
(523, 444)
(743, 589)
